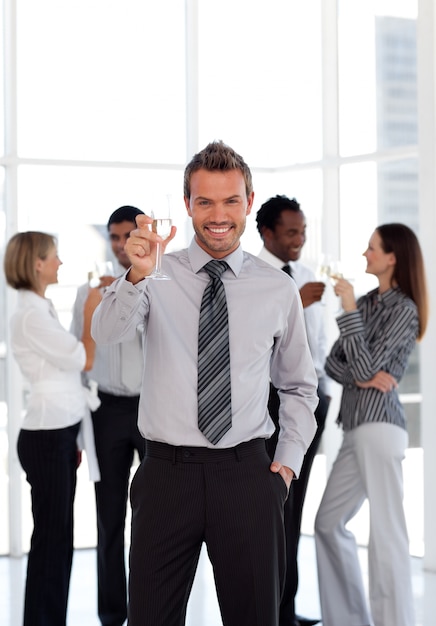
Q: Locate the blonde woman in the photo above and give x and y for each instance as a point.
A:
(51, 360)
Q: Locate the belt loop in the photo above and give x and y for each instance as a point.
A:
(237, 455)
(174, 455)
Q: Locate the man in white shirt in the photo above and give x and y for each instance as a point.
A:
(282, 226)
(117, 370)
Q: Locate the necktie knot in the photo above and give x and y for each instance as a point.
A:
(215, 268)
(286, 268)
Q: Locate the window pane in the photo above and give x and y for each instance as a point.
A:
(260, 79)
(377, 75)
(398, 192)
(358, 218)
(89, 70)
(397, 122)
(387, 192)
(2, 47)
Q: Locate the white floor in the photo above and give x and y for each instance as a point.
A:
(203, 608)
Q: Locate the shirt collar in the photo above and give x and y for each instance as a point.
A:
(26, 296)
(273, 260)
(389, 297)
(199, 257)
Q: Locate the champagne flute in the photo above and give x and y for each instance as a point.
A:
(335, 271)
(323, 272)
(101, 268)
(161, 226)
(323, 269)
(330, 268)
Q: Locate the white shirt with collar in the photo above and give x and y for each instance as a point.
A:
(313, 316)
(51, 360)
(108, 367)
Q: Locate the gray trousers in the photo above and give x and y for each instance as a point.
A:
(368, 465)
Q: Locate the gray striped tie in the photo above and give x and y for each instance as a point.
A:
(214, 390)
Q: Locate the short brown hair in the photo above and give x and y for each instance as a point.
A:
(217, 156)
(22, 252)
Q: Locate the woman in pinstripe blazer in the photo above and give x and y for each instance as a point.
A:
(376, 336)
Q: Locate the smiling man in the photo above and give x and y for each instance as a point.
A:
(216, 332)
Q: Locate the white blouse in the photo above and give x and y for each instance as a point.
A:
(51, 360)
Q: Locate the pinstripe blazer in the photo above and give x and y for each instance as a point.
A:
(379, 335)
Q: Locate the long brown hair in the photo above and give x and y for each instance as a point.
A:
(409, 270)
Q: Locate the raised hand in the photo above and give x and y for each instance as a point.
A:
(344, 289)
(141, 248)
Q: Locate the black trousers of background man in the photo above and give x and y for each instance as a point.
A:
(294, 503)
(116, 439)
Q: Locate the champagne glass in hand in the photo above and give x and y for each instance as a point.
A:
(102, 271)
(335, 271)
(161, 226)
(323, 272)
(330, 268)
(323, 269)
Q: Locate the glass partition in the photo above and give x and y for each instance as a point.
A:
(106, 80)
(259, 79)
(377, 75)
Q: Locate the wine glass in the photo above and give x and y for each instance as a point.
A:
(329, 268)
(323, 269)
(101, 268)
(335, 271)
(161, 226)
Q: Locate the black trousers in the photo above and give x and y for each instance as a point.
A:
(229, 499)
(116, 439)
(49, 458)
(294, 503)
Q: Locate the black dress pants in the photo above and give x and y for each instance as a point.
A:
(49, 458)
(294, 503)
(229, 499)
(116, 437)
